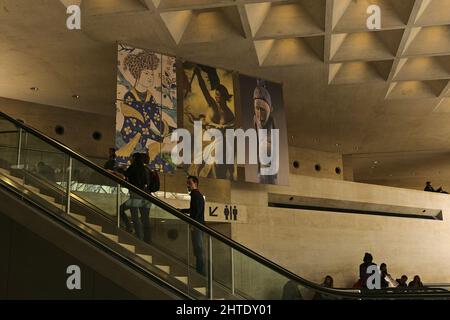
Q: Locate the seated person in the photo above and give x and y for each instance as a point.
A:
(386, 280)
(402, 282)
(363, 275)
(291, 291)
(429, 187)
(327, 283)
(416, 283)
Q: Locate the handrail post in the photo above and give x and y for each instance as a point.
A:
(232, 272)
(118, 205)
(69, 182)
(210, 269)
(19, 148)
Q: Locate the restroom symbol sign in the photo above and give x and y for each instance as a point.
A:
(228, 212)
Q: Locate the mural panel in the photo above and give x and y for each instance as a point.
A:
(146, 106)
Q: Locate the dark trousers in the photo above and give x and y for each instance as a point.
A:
(197, 244)
(141, 224)
(145, 219)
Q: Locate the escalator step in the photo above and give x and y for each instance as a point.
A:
(32, 189)
(8, 174)
(78, 217)
(128, 247)
(94, 226)
(111, 236)
(201, 290)
(182, 279)
(146, 257)
(166, 269)
(5, 172)
(47, 198)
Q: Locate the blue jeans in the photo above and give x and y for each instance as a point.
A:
(142, 224)
(197, 244)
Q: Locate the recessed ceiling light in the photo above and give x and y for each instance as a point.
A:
(375, 162)
(34, 89)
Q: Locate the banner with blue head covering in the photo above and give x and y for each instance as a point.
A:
(262, 109)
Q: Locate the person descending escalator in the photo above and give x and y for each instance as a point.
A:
(136, 175)
(150, 176)
(197, 212)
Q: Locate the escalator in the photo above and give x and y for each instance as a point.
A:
(56, 183)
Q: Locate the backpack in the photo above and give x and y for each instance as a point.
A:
(153, 183)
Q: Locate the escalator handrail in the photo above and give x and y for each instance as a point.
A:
(353, 293)
(13, 188)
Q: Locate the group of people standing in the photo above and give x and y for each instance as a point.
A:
(139, 175)
(386, 280)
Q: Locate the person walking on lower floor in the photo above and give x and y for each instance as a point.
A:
(197, 212)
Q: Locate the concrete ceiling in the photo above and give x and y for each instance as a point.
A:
(347, 89)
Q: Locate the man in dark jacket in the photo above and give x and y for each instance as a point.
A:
(136, 175)
(197, 212)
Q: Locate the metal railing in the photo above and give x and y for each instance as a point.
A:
(234, 246)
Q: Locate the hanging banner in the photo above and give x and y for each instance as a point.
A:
(262, 109)
(146, 106)
(208, 105)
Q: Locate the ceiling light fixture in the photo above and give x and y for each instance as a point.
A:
(75, 96)
(34, 89)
